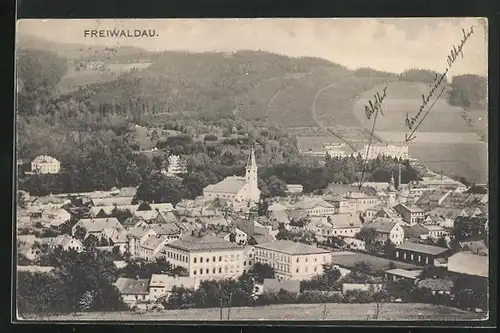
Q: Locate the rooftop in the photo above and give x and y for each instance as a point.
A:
(345, 221)
(290, 247)
(119, 201)
(404, 273)
(228, 185)
(309, 203)
(153, 242)
(202, 243)
(422, 248)
(163, 280)
(469, 264)
(99, 224)
(127, 286)
(45, 159)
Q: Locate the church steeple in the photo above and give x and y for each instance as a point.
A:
(251, 163)
(391, 183)
(252, 177)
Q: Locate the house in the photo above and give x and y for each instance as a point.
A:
(146, 215)
(416, 232)
(420, 253)
(132, 291)
(345, 225)
(436, 285)
(161, 285)
(136, 236)
(239, 189)
(397, 274)
(354, 244)
(291, 260)
(56, 216)
(30, 251)
(346, 287)
(165, 217)
(151, 247)
(45, 165)
(112, 201)
(436, 232)
(96, 226)
(410, 214)
(171, 231)
(127, 192)
(476, 246)
(363, 200)
(294, 189)
(314, 206)
(277, 207)
(249, 233)
(467, 263)
(206, 256)
(471, 226)
(275, 285)
(47, 202)
(162, 207)
(387, 229)
(248, 258)
(66, 242)
(117, 237)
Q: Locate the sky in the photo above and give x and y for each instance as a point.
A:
(384, 44)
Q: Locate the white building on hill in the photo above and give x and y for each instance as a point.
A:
(237, 189)
(397, 150)
(176, 166)
(45, 164)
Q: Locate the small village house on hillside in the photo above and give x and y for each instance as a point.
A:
(410, 214)
(97, 226)
(387, 229)
(160, 285)
(397, 274)
(45, 165)
(133, 292)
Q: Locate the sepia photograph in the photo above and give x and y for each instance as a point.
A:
(271, 169)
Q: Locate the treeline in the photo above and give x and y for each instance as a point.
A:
(418, 75)
(80, 282)
(468, 91)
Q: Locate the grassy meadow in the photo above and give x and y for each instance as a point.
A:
(296, 312)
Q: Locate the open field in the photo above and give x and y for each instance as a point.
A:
(469, 160)
(298, 312)
(406, 97)
(349, 259)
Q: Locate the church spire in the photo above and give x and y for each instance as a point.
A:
(251, 162)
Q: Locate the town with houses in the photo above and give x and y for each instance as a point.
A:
(427, 233)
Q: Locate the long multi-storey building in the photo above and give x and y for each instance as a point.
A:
(206, 256)
(397, 150)
(292, 260)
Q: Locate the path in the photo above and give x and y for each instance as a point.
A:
(271, 101)
(313, 110)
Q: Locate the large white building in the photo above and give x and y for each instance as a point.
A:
(45, 164)
(206, 256)
(175, 165)
(292, 260)
(397, 150)
(337, 149)
(238, 189)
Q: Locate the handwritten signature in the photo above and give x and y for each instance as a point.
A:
(438, 79)
(377, 105)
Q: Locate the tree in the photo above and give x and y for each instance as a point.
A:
(116, 252)
(91, 242)
(80, 232)
(277, 187)
(160, 188)
(389, 248)
(263, 271)
(368, 235)
(441, 242)
(103, 241)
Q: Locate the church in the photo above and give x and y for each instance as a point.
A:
(236, 188)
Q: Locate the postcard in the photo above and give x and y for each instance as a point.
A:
(252, 170)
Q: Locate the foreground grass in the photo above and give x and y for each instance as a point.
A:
(337, 311)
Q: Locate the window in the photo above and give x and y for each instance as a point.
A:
(244, 263)
(213, 270)
(297, 270)
(208, 259)
(306, 259)
(220, 269)
(297, 259)
(207, 270)
(201, 271)
(194, 259)
(220, 258)
(201, 259)
(315, 268)
(213, 259)
(194, 272)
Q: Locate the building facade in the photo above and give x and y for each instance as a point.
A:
(291, 260)
(45, 165)
(206, 256)
(395, 150)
